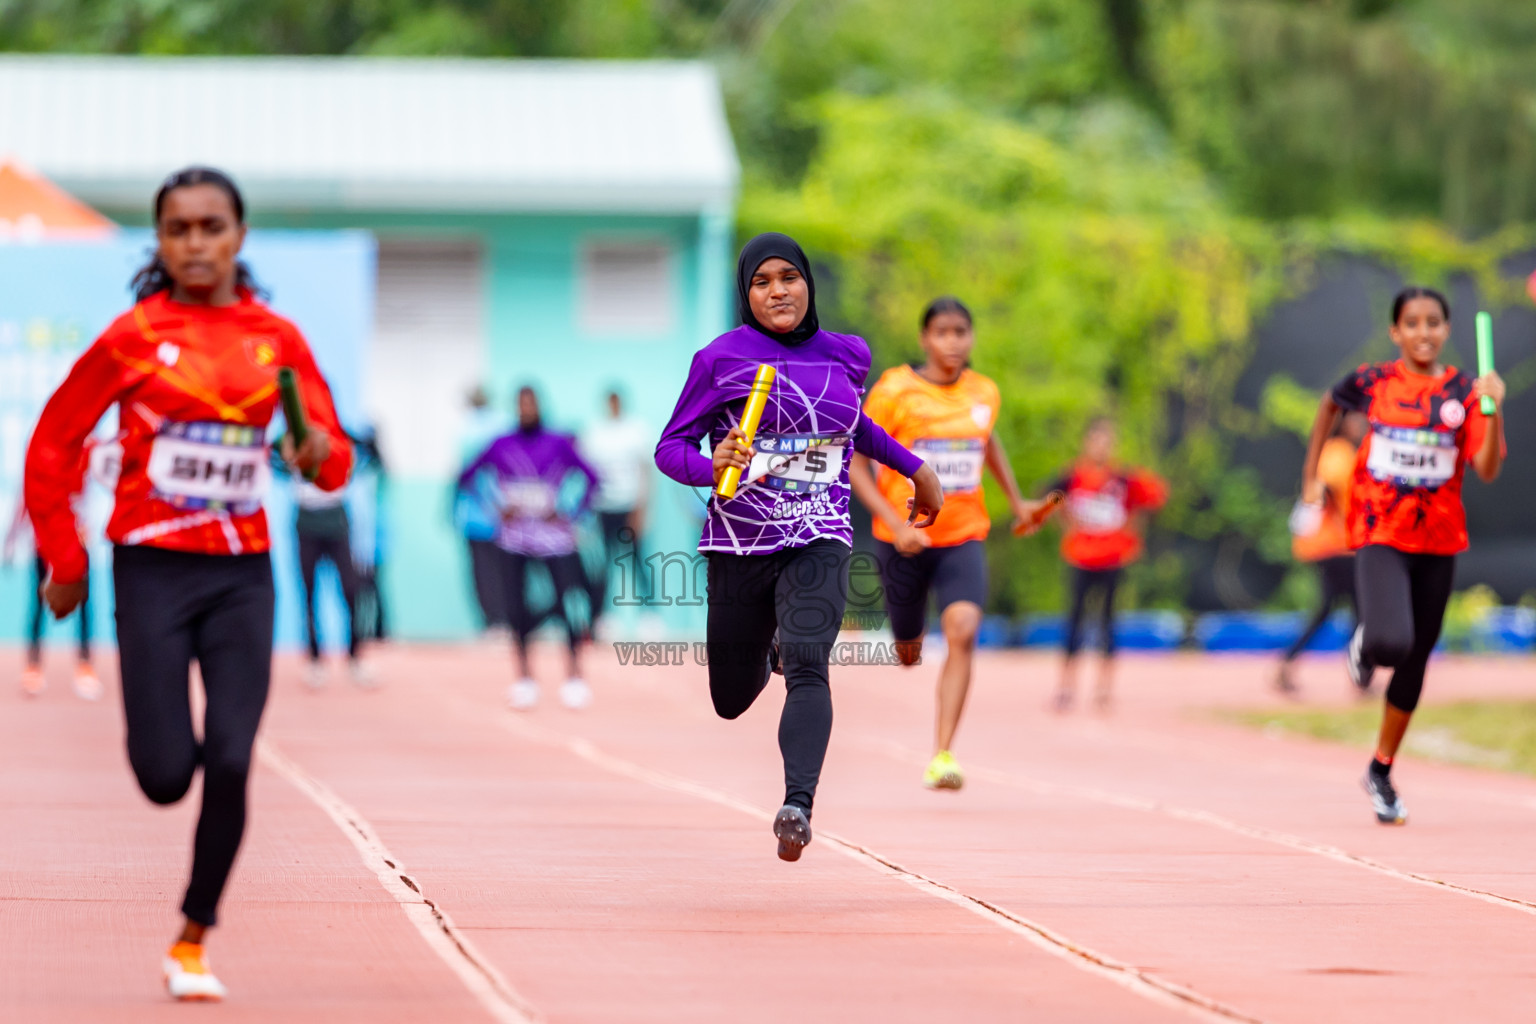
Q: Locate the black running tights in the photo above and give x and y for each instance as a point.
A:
(800, 593)
(336, 549)
(1338, 579)
(1402, 607)
(1106, 581)
(172, 607)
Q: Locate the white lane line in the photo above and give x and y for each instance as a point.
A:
(1127, 976)
(909, 756)
(452, 947)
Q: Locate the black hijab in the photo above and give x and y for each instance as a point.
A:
(765, 247)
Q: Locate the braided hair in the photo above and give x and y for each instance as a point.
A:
(154, 277)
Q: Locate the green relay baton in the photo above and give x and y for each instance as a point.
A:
(293, 411)
(1485, 354)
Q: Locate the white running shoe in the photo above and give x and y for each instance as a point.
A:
(575, 694)
(523, 695)
(87, 685)
(187, 976)
(363, 674)
(314, 675)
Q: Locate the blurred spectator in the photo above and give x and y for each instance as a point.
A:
(619, 448)
(476, 512)
(370, 485)
(100, 463)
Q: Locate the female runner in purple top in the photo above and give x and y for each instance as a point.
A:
(778, 551)
(528, 466)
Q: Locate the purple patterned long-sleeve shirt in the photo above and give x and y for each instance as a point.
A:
(796, 490)
(530, 466)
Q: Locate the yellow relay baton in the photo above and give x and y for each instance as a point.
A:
(757, 399)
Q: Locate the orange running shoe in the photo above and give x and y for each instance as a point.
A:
(187, 976)
(87, 684)
(32, 682)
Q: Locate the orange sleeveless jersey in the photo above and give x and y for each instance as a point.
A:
(948, 427)
(196, 387)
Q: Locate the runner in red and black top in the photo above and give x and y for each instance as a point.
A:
(1406, 519)
(1106, 505)
(193, 371)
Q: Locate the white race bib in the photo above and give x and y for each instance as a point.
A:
(1097, 512)
(195, 465)
(1413, 458)
(528, 499)
(956, 460)
(796, 462)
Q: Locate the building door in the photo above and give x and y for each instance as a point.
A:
(429, 350)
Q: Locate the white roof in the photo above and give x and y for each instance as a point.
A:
(345, 133)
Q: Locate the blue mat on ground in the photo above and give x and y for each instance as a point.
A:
(1134, 631)
(1267, 631)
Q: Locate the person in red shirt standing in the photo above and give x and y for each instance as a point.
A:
(1406, 519)
(192, 368)
(1105, 506)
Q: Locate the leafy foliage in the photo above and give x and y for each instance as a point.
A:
(1104, 276)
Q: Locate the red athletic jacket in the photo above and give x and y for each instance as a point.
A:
(1100, 533)
(196, 387)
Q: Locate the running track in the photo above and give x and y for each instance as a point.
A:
(419, 853)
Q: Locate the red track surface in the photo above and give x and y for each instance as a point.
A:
(616, 865)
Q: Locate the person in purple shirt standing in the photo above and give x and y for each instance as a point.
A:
(528, 467)
(778, 551)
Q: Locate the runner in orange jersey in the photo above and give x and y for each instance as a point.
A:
(944, 412)
(1320, 536)
(192, 368)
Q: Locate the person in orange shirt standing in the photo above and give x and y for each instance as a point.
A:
(193, 370)
(944, 412)
(1106, 504)
(1320, 535)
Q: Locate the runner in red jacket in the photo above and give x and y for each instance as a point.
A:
(193, 371)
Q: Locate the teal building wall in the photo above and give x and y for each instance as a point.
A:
(533, 335)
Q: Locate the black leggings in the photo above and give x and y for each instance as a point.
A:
(801, 594)
(1083, 581)
(1338, 578)
(1402, 607)
(172, 607)
(566, 574)
(337, 549)
(618, 541)
(485, 563)
(35, 626)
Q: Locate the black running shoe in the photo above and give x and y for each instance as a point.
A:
(1360, 670)
(1384, 799)
(793, 827)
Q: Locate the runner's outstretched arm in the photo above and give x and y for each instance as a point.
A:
(1322, 430)
(1002, 470)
